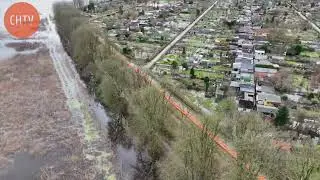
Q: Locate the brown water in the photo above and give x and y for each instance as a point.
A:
(25, 167)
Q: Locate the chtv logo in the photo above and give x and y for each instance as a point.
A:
(22, 20)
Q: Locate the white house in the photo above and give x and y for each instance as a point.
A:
(260, 55)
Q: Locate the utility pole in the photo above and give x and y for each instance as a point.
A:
(254, 66)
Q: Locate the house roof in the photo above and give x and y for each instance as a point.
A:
(248, 96)
(269, 97)
(242, 60)
(265, 89)
(234, 84)
(246, 29)
(260, 51)
(247, 76)
(262, 32)
(266, 109)
(266, 70)
(247, 89)
(246, 66)
(263, 62)
(237, 65)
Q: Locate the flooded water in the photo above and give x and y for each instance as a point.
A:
(6, 52)
(25, 166)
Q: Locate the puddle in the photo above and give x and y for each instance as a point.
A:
(100, 114)
(25, 167)
(127, 159)
(6, 52)
(23, 46)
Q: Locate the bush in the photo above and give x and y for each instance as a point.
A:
(185, 65)
(84, 42)
(282, 117)
(284, 98)
(296, 49)
(266, 48)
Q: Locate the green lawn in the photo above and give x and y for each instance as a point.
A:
(300, 81)
(202, 74)
(292, 62)
(208, 103)
(171, 57)
(211, 75)
(310, 54)
(215, 60)
(221, 68)
(205, 102)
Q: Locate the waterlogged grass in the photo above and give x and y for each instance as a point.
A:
(90, 131)
(105, 165)
(102, 159)
(74, 104)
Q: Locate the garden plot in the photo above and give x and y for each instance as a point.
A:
(199, 64)
(141, 29)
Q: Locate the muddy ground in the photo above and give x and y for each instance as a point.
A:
(24, 46)
(37, 138)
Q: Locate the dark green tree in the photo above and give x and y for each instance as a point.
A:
(282, 117)
(206, 83)
(313, 4)
(185, 65)
(184, 51)
(91, 6)
(142, 30)
(142, 13)
(198, 12)
(174, 65)
(121, 10)
(192, 75)
(284, 98)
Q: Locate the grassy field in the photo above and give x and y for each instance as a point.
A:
(310, 54)
(300, 81)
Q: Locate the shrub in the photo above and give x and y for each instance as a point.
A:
(84, 42)
(282, 117)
